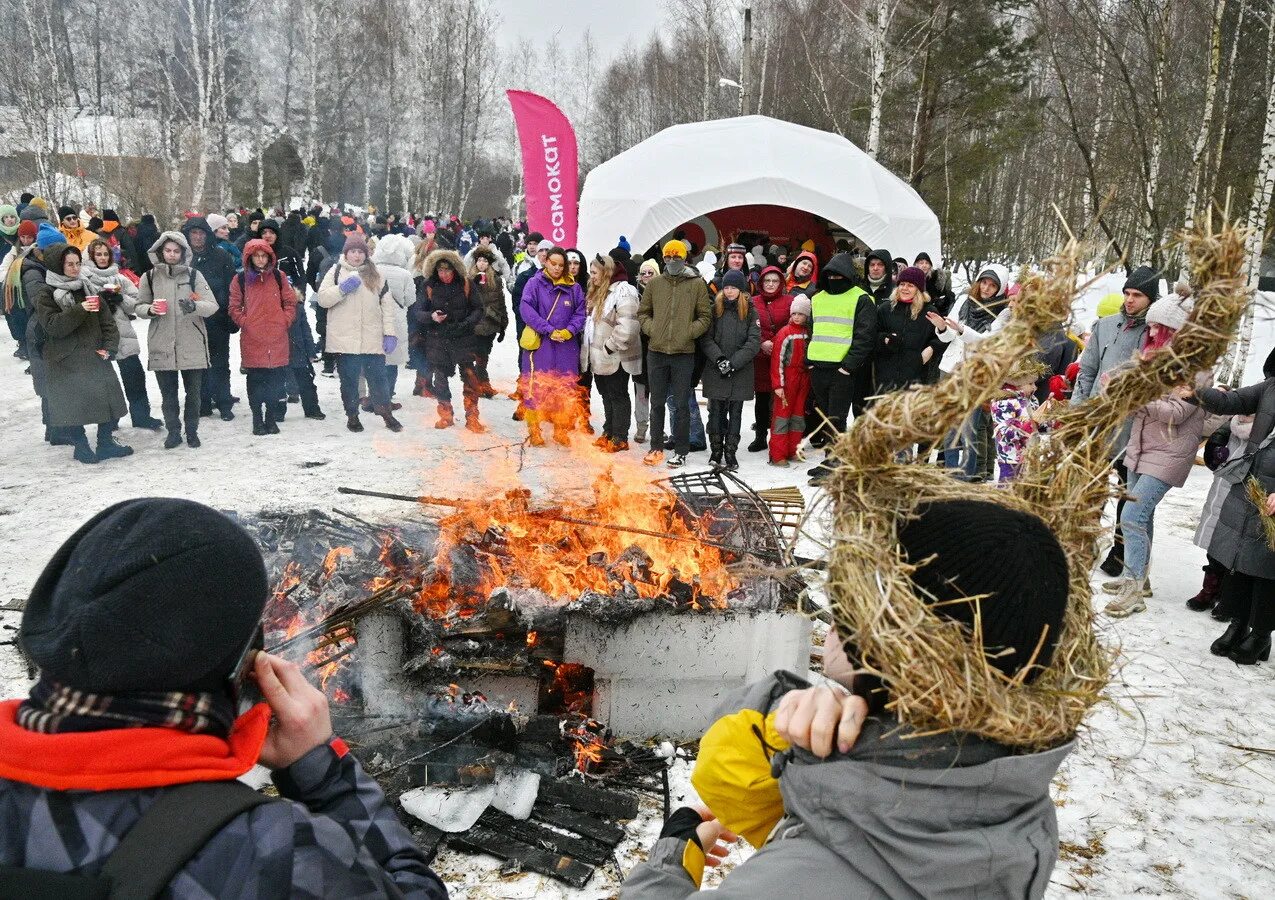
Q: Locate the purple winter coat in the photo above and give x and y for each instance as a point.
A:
(538, 298)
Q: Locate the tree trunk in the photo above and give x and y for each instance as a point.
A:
(1206, 120)
(876, 53)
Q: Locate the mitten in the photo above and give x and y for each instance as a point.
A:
(350, 284)
(187, 305)
(388, 343)
(724, 367)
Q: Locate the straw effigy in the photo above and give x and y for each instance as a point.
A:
(939, 679)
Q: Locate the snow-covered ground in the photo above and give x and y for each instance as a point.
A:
(1160, 798)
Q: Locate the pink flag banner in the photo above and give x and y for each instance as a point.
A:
(550, 167)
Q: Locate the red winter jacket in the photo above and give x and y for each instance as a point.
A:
(773, 311)
(263, 305)
(787, 370)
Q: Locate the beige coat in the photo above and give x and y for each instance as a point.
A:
(613, 338)
(357, 321)
(177, 340)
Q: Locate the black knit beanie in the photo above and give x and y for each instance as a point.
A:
(152, 594)
(64, 211)
(982, 548)
(1145, 279)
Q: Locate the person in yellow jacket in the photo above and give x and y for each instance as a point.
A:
(841, 798)
(76, 234)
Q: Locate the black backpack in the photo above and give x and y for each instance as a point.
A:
(165, 838)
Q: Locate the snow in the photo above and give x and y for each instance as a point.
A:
(1159, 797)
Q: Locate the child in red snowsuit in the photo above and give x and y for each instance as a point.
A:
(790, 381)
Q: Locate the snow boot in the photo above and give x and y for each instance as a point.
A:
(352, 422)
(258, 422)
(174, 439)
(1207, 597)
(387, 415)
(760, 442)
(192, 440)
(446, 416)
(472, 424)
(83, 452)
(717, 458)
(109, 448)
(639, 436)
(316, 414)
(1255, 647)
(1113, 565)
(732, 463)
(1230, 639)
(1128, 601)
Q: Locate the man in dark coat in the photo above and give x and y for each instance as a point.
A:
(294, 233)
(218, 268)
(123, 732)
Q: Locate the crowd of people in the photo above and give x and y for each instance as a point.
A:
(810, 339)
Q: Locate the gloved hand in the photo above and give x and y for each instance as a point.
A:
(724, 366)
(388, 343)
(187, 305)
(560, 335)
(500, 337)
(350, 284)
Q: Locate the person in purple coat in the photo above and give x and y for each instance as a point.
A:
(553, 306)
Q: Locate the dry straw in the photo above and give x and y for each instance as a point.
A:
(939, 679)
(1257, 496)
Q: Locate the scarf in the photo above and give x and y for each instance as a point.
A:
(64, 288)
(54, 708)
(675, 266)
(96, 278)
(12, 287)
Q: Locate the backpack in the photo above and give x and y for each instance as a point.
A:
(156, 848)
(278, 280)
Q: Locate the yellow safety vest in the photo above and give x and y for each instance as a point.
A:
(833, 328)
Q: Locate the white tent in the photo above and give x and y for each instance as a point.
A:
(689, 170)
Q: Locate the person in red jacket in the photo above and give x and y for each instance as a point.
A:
(263, 305)
(772, 306)
(790, 380)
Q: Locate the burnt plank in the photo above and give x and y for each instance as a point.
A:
(597, 801)
(547, 839)
(579, 823)
(482, 839)
(429, 839)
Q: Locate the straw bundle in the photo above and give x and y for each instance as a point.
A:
(1257, 496)
(937, 677)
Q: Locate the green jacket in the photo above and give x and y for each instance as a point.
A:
(675, 312)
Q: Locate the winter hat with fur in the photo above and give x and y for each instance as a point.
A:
(152, 594)
(1022, 595)
(1171, 312)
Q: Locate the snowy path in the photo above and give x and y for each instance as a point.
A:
(1154, 801)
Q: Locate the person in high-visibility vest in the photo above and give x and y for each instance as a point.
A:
(842, 339)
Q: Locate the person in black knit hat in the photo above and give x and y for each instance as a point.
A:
(871, 805)
(144, 625)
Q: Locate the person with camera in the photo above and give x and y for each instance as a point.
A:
(118, 772)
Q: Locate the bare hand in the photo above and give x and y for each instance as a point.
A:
(813, 717)
(952, 323)
(939, 323)
(103, 354)
(88, 307)
(439, 315)
(767, 346)
(301, 720)
(927, 354)
(779, 393)
(1270, 504)
(714, 837)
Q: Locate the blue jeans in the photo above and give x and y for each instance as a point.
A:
(962, 445)
(695, 420)
(1138, 522)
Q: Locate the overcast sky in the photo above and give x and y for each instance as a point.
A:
(613, 26)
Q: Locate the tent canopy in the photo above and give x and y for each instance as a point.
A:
(690, 170)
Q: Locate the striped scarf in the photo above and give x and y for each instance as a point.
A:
(54, 708)
(12, 287)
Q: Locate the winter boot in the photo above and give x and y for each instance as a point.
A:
(534, 437)
(387, 415)
(1257, 646)
(472, 423)
(352, 422)
(108, 447)
(760, 442)
(192, 439)
(174, 439)
(446, 416)
(1128, 601)
(1230, 639)
(1113, 565)
(1204, 600)
(316, 414)
(639, 436)
(83, 452)
(732, 445)
(717, 458)
(258, 422)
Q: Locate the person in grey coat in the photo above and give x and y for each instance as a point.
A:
(841, 798)
(176, 299)
(730, 346)
(1113, 343)
(1239, 539)
(78, 338)
(122, 733)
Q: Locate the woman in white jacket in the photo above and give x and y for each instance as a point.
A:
(611, 348)
(393, 258)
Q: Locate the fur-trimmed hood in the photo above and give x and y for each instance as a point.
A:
(430, 266)
(393, 250)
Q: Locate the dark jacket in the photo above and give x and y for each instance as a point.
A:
(734, 339)
(864, 342)
(333, 836)
(1239, 540)
(886, 287)
(293, 235)
(1057, 351)
(144, 238)
(901, 340)
(218, 268)
(902, 815)
(675, 311)
(495, 318)
(445, 340)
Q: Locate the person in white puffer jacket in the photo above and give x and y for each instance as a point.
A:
(393, 257)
